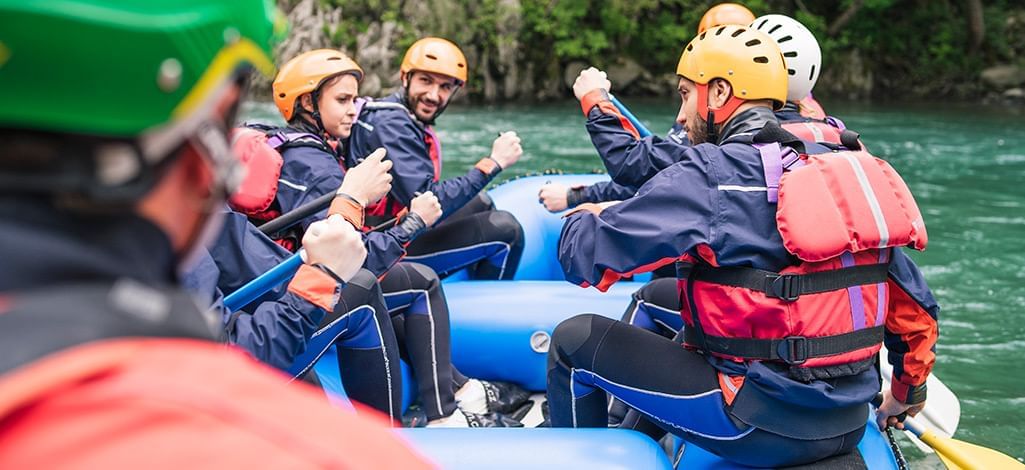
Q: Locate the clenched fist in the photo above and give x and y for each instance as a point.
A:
(427, 207)
(590, 79)
(370, 180)
(334, 243)
(506, 149)
(554, 197)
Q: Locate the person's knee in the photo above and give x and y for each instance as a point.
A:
(485, 200)
(423, 276)
(362, 289)
(363, 279)
(571, 335)
(506, 227)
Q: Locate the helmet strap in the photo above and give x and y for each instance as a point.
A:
(711, 131)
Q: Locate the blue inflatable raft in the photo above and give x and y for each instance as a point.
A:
(500, 331)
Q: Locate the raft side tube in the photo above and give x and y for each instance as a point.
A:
(509, 448)
(541, 228)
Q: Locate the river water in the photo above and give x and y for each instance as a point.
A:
(966, 167)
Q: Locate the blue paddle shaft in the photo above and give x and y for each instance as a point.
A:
(643, 131)
(263, 283)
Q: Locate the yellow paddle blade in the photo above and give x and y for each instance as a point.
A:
(960, 455)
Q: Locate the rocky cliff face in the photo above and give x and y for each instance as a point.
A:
(505, 66)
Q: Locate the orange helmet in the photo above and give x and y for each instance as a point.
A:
(747, 58)
(306, 72)
(436, 55)
(725, 13)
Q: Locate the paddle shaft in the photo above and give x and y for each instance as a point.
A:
(293, 216)
(939, 444)
(264, 282)
(643, 131)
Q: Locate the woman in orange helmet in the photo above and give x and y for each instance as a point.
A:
(317, 92)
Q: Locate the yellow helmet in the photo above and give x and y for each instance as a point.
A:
(725, 13)
(435, 55)
(306, 72)
(747, 58)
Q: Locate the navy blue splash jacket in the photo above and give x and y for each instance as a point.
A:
(415, 152)
(274, 328)
(708, 202)
(310, 171)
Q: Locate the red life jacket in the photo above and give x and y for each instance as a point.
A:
(839, 214)
(258, 148)
(388, 207)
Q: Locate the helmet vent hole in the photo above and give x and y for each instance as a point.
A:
(762, 24)
(432, 56)
(334, 58)
(690, 47)
(281, 95)
(753, 42)
(761, 60)
(811, 76)
(791, 71)
(720, 30)
(702, 36)
(774, 28)
(784, 38)
(460, 65)
(790, 54)
(738, 32)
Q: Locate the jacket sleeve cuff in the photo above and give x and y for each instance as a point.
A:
(316, 286)
(489, 167)
(347, 207)
(591, 99)
(908, 394)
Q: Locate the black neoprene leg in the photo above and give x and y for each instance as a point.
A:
(675, 387)
(413, 291)
(656, 308)
(371, 375)
(490, 241)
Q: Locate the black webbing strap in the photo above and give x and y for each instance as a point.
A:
(793, 350)
(791, 286)
(850, 139)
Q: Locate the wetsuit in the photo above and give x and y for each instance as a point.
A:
(105, 361)
(704, 203)
(289, 332)
(471, 232)
(410, 290)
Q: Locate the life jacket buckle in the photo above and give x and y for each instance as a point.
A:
(793, 350)
(785, 286)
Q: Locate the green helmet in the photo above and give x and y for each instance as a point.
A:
(98, 93)
(122, 67)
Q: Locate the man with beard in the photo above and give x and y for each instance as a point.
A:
(471, 232)
(114, 172)
(780, 345)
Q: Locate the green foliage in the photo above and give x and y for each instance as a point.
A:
(921, 45)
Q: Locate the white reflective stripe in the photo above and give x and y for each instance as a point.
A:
(292, 185)
(870, 196)
(365, 125)
(815, 131)
(434, 349)
(746, 189)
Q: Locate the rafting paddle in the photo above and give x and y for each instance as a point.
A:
(643, 131)
(265, 282)
(293, 216)
(957, 454)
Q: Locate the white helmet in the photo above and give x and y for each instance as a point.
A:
(800, 52)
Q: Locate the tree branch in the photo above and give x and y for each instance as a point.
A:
(844, 18)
